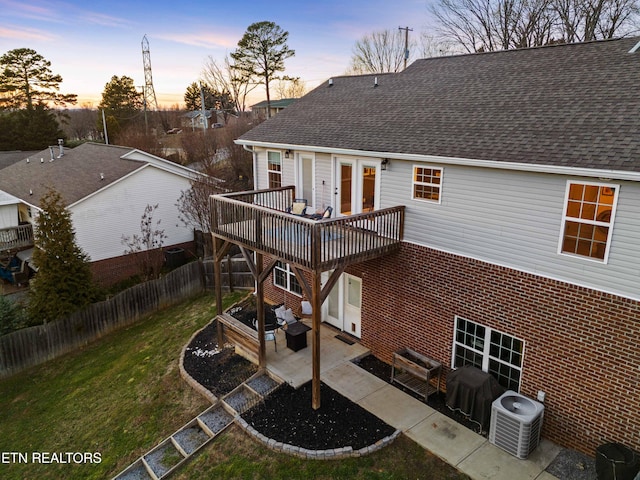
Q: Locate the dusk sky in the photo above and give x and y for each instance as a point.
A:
(89, 42)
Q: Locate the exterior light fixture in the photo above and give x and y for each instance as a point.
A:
(385, 164)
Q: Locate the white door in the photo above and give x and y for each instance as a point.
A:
(344, 305)
(305, 181)
(357, 185)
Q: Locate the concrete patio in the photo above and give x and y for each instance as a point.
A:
(466, 450)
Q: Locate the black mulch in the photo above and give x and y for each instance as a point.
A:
(287, 416)
(436, 401)
(219, 371)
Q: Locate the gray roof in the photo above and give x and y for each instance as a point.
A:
(75, 175)
(11, 157)
(572, 105)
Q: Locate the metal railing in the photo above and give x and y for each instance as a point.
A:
(259, 221)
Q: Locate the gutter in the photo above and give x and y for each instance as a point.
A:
(254, 161)
(526, 167)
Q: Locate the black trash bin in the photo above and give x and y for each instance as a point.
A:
(174, 257)
(614, 461)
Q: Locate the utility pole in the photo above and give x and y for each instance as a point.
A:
(406, 44)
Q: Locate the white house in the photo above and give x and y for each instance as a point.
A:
(518, 175)
(106, 189)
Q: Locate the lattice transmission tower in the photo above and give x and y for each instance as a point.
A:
(150, 100)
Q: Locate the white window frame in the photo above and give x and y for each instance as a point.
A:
(596, 223)
(414, 182)
(275, 172)
(288, 275)
(483, 348)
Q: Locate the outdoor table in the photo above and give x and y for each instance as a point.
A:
(296, 335)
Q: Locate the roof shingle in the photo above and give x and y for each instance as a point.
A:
(574, 105)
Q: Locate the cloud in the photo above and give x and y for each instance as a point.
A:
(29, 11)
(206, 40)
(22, 33)
(105, 20)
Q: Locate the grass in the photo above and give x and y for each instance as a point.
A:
(122, 395)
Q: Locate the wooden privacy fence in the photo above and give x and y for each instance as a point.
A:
(34, 345)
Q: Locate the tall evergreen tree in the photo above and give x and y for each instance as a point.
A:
(63, 283)
(27, 80)
(261, 54)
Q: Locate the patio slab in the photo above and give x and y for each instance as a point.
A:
(492, 463)
(396, 407)
(446, 438)
(349, 380)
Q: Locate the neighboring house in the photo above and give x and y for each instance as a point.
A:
(519, 176)
(195, 119)
(260, 109)
(106, 189)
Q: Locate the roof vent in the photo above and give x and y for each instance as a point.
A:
(52, 154)
(331, 82)
(61, 145)
(41, 160)
(28, 160)
(375, 82)
(102, 176)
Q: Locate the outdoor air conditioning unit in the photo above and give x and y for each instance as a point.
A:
(516, 422)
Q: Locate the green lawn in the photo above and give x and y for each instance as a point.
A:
(122, 395)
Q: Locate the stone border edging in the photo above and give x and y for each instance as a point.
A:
(329, 454)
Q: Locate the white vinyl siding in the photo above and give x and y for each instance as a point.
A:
(514, 219)
(102, 219)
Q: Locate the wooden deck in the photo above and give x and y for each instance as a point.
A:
(16, 238)
(258, 221)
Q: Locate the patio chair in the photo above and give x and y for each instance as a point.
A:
(321, 216)
(298, 207)
(270, 331)
(284, 316)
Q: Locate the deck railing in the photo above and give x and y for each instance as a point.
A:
(258, 220)
(16, 237)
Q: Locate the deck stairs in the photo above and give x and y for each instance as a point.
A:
(166, 457)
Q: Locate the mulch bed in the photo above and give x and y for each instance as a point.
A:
(219, 371)
(287, 416)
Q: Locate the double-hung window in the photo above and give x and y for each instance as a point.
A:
(587, 220)
(284, 277)
(427, 183)
(274, 169)
(489, 350)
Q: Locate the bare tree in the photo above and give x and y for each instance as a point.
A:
(226, 78)
(432, 46)
(489, 25)
(290, 88)
(146, 248)
(379, 52)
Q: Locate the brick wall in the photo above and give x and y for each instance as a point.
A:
(582, 347)
(113, 270)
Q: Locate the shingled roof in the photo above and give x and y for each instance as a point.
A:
(574, 105)
(75, 175)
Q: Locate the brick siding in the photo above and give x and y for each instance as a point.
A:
(113, 270)
(581, 345)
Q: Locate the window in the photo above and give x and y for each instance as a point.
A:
(587, 220)
(489, 350)
(284, 277)
(427, 183)
(274, 169)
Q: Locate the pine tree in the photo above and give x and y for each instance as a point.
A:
(63, 283)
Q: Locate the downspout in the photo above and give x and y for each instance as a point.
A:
(254, 162)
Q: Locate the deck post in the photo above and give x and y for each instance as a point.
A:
(217, 285)
(262, 350)
(316, 305)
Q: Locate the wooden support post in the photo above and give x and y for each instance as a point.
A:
(262, 351)
(316, 305)
(217, 285)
